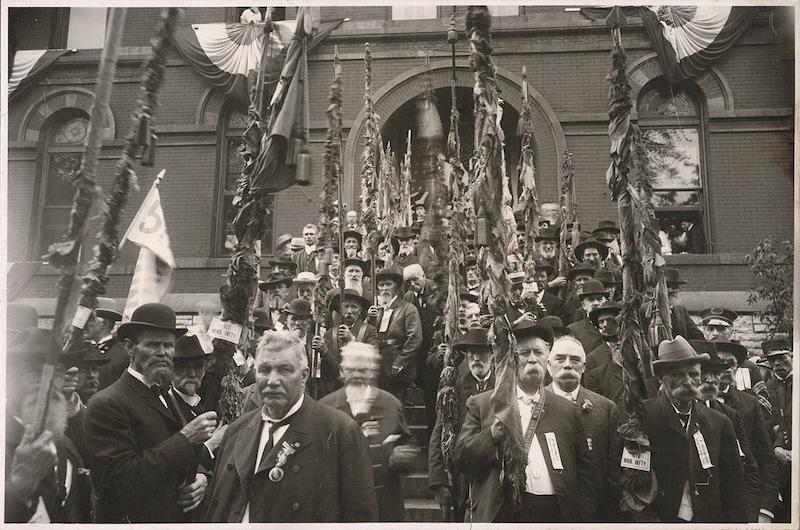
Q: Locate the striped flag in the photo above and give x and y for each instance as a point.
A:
(28, 64)
(153, 273)
(688, 39)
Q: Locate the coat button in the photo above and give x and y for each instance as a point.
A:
(295, 468)
(230, 467)
(295, 506)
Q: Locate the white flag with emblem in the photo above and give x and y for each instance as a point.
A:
(153, 272)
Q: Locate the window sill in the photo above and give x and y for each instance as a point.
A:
(706, 259)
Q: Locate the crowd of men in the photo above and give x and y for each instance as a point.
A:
(323, 437)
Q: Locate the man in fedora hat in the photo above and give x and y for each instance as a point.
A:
(743, 410)
(45, 477)
(475, 348)
(88, 377)
(405, 247)
(547, 245)
(276, 289)
(382, 421)
(743, 375)
(283, 266)
(607, 232)
(300, 321)
(141, 453)
(577, 276)
(542, 271)
(352, 243)
(693, 449)
(356, 276)
(717, 324)
(292, 460)
(559, 484)
(682, 323)
(399, 333)
(778, 353)
(283, 246)
(306, 284)
(604, 318)
(100, 328)
(566, 363)
(592, 295)
(591, 251)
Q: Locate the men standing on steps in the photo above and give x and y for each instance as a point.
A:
(381, 418)
(451, 492)
(306, 258)
(717, 324)
(779, 354)
(141, 455)
(559, 478)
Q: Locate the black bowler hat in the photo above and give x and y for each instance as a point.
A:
(299, 307)
(33, 345)
(546, 234)
(188, 348)
(19, 317)
(606, 276)
(542, 265)
(591, 243)
(526, 328)
(776, 347)
(106, 308)
(714, 364)
(556, 324)
(388, 274)
(91, 356)
(359, 263)
(350, 295)
(275, 279)
(579, 268)
(353, 233)
(606, 226)
(404, 232)
(607, 308)
(592, 287)
(260, 320)
(473, 338)
(738, 351)
(284, 261)
(154, 316)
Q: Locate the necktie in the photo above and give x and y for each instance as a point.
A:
(273, 426)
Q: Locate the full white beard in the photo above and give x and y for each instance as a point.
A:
(360, 398)
(353, 284)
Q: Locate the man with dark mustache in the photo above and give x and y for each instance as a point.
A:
(693, 448)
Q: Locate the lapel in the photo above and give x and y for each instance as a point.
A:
(244, 454)
(673, 422)
(392, 317)
(590, 327)
(298, 435)
(149, 398)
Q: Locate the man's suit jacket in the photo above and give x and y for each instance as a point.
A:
(185, 413)
(553, 304)
(139, 457)
(119, 362)
(476, 455)
(600, 356)
(77, 504)
(607, 381)
(717, 494)
(427, 314)
(682, 323)
(466, 387)
(401, 340)
(401, 262)
(757, 433)
(388, 411)
(305, 262)
(327, 480)
(600, 421)
(780, 396)
(587, 333)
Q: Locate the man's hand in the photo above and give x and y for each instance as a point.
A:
(216, 438)
(70, 383)
(373, 311)
(784, 456)
(497, 430)
(559, 281)
(33, 460)
(318, 343)
(201, 428)
(764, 518)
(444, 497)
(344, 334)
(190, 496)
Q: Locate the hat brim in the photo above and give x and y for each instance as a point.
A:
(388, 275)
(777, 353)
(93, 362)
(573, 272)
(580, 247)
(461, 346)
(109, 314)
(664, 364)
(263, 285)
(128, 329)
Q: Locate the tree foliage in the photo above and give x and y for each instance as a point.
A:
(772, 263)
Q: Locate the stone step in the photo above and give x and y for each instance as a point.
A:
(422, 510)
(421, 435)
(415, 486)
(415, 414)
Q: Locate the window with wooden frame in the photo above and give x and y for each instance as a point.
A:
(61, 151)
(673, 127)
(232, 124)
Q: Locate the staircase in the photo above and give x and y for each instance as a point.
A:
(420, 506)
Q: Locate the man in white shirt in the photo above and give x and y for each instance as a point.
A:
(293, 460)
(559, 481)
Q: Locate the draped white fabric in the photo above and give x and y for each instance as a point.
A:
(236, 48)
(691, 29)
(24, 61)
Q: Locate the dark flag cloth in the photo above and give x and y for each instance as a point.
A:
(226, 54)
(28, 66)
(688, 39)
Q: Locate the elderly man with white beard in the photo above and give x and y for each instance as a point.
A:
(566, 363)
(46, 480)
(381, 418)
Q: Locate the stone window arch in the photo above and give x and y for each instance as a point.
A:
(73, 98)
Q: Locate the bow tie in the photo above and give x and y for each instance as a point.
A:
(528, 400)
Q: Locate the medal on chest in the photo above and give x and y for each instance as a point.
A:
(276, 473)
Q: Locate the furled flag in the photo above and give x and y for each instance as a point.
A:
(226, 54)
(688, 39)
(28, 64)
(153, 272)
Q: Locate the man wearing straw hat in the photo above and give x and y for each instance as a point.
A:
(694, 453)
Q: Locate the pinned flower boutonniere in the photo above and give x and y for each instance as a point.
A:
(586, 406)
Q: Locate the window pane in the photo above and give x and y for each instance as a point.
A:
(60, 170)
(237, 120)
(413, 12)
(673, 157)
(233, 161)
(675, 198)
(666, 102)
(504, 11)
(682, 233)
(71, 132)
(87, 28)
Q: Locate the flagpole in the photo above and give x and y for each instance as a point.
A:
(337, 166)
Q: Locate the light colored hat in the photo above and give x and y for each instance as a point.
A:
(297, 243)
(305, 277)
(676, 352)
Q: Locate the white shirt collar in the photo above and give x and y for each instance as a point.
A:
(311, 249)
(488, 375)
(265, 416)
(521, 393)
(387, 306)
(569, 395)
(192, 401)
